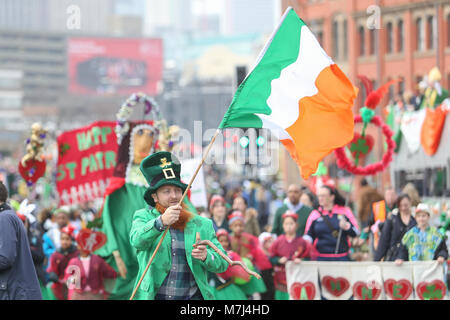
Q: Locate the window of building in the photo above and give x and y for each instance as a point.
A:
(401, 86)
(372, 42)
(10, 102)
(400, 36)
(345, 39)
(431, 27)
(336, 40)
(362, 42)
(448, 30)
(320, 38)
(419, 35)
(390, 90)
(389, 38)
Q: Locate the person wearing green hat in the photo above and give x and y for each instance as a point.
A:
(180, 267)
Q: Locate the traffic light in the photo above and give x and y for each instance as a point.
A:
(260, 140)
(244, 141)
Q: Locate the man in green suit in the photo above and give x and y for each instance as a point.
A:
(292, 203)
(179, 269)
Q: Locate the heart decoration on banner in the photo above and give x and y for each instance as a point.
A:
(366, 291)
(32, 170)
(307, 287)
(434, 290)
(361, 145)
(90, 241)
(335, 286)
(398, 289)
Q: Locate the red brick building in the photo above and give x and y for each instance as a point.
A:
(410, 41)
(413, 37)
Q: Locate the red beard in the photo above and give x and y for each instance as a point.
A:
(184, 218)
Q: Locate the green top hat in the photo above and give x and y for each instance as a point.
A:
(160, 168)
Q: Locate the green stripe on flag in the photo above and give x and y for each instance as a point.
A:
(251, 96)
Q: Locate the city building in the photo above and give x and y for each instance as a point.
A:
(11, 108)
(249, 16)
(384, 40)
(413, 37)
(42, 59)
(64, 16)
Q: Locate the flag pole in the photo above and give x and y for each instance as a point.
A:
(181, 200)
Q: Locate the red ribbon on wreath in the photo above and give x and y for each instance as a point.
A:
(362, 145)
(371, 169)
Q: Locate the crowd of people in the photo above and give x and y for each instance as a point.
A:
(298, 226)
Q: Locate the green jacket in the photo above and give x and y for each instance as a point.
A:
(303, 215)
(145, 237)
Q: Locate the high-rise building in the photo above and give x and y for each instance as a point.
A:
(249, 16)
(42, 59)
(100, 17)
(11, 108)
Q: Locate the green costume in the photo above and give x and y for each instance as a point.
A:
(255, 285)
(123, 197)
(225, 289)
(303, 214)
(145, 237)
(117, 217)
(161, 169)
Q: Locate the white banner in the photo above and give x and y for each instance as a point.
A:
(424, 280)
(411, 126)
(198, 189)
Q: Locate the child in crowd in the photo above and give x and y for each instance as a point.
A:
(86, 273)
(227, 284)
(422, 242)
(288, 247)
(59, 261)
(265, 240)
(75, 218)
(218, 210)
(52, 238)
(247, 246)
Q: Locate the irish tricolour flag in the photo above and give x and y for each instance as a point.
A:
(299, 93)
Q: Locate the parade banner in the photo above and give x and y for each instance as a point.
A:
(198, 189)
(422, 280)
(410, 126)
(86, 160)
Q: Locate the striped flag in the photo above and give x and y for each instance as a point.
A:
(299, 93)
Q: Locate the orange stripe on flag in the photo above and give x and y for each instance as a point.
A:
(325, 120)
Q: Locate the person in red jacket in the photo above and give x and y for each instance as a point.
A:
(59, 261)
(288, 247)
(86, 274)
